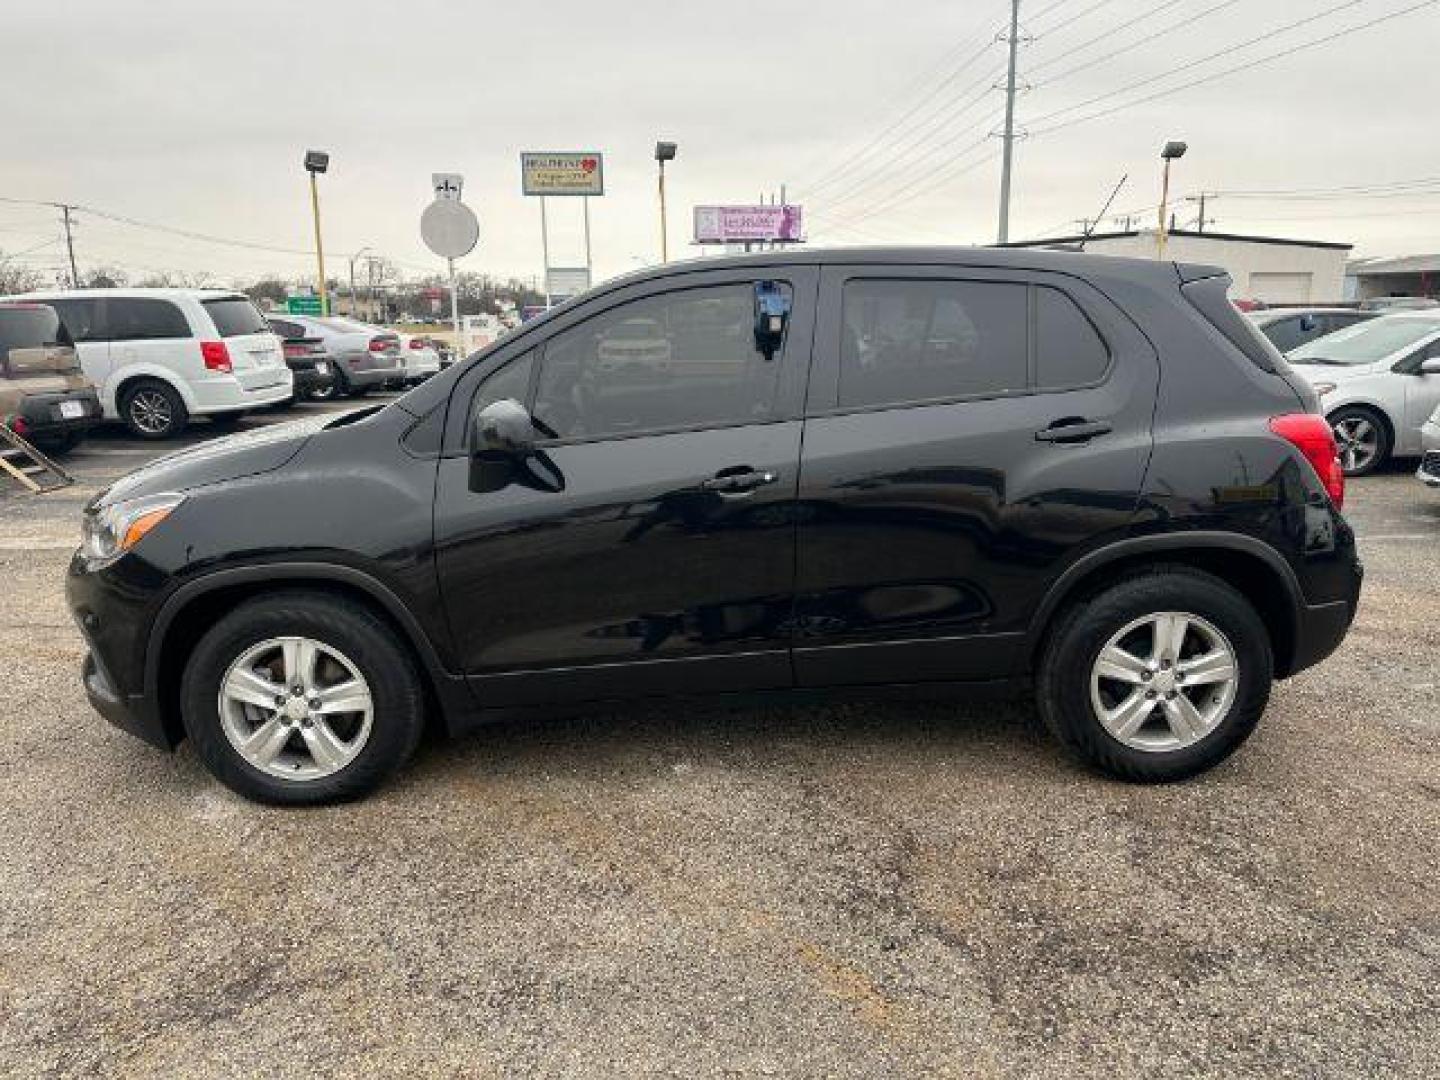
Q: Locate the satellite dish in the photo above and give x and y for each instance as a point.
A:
(449, 228)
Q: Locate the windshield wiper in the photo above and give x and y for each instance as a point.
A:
(1318, 360)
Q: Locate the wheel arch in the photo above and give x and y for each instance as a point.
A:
(1256, 570)
(133, 373)
(196, 606)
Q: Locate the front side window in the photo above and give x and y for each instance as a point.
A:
(135, 319)
(916, 340)
(685, 359)
(81, 317)
(511, 381)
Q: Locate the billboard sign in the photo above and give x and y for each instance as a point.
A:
(736, 224)
(567, 281)
(546, 173)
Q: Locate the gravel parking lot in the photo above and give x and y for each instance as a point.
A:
(843, 891)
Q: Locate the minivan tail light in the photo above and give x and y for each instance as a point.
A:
(216, 356)
(1310, 434)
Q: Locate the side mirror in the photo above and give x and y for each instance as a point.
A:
(504, 427)
(1308, 323)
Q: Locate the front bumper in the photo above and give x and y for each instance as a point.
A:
(1429, 471)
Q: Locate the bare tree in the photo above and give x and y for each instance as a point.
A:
(17, 277)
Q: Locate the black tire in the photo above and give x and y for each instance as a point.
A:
(1365, 419)
(385, 663)
(1082, 630)
(153, 409)
(333, 390)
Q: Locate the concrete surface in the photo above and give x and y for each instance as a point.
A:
(847, 891)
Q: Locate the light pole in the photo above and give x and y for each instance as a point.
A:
(1172, 150)
(664, 151)
(317, 162)
(354, 301)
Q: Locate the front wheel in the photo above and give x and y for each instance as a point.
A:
(1158, 677)
(302, 698)
(1362, 437)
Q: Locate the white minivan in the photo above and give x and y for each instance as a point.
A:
(160, 356)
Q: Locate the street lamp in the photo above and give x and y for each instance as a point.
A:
(664, 151)
(1172, 150)
(317, 162)
(354, 301)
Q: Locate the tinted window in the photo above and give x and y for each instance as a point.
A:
(134, 319)
(29, 327)
(511, 381)
(915, 340)
(287, 329)
(1285, 334)
(1068, 350)
(682, 360)
(235, 315)
(81, 318)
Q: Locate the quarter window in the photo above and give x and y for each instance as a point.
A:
(135, 319)
(913, 340)
(1068, 350)
(685, 359)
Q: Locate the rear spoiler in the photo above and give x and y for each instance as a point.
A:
(1189, 272)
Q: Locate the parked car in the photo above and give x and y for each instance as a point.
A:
(44, 396)
(422, 360)
(162, 356)
(1429, 470)
(1289, 328)
(365, 357)
(1389, 304)
(1119, 492)
(308, 359)
(1378, 381)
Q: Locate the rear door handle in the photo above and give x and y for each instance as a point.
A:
(1073, 431)
(740, 481)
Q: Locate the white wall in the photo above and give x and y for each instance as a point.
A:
(1278, 273)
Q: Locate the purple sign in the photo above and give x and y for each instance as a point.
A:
(732, 224)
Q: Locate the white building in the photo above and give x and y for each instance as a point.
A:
(1266, 268)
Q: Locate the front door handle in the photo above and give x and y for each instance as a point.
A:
(1073, 430)
(739, 481)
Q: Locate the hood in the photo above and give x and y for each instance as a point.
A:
(217, 460)
(1331, 373)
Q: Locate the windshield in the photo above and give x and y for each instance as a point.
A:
(346, 326)
(1365, 342)
(235, 316)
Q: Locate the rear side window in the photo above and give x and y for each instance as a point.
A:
(1068, 349)
(287, 329)
(81, 318)
(234, 316)
(916, 340)
(136, 319)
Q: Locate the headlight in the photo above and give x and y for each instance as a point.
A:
(115, 529)
(1323, 388)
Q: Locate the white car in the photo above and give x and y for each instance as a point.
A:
(421, 358)
(1429, 470)
(160, 356)
(1378, 383)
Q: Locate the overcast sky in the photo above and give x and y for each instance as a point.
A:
(195, 114)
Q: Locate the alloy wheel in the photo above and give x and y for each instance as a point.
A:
(1359, 443)
(296, 708)
(1164, 681)
(150, 411)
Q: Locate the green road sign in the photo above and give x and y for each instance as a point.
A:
(303, 305)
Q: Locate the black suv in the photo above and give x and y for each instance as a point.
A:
(850, 470)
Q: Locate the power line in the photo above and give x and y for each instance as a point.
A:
(1227, 71)
(1076, 17)
(1197, 62)
(1186, 22)
(1107, 34)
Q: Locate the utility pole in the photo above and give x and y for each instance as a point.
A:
(1009, 136)
(70, 246)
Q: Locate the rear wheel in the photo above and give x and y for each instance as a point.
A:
(335, 388)
(153, 409)
(302, 698)
(1158, 677)
(1362, 437)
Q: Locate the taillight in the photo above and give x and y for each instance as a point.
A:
(380, 344)
(18, 424)
(215, 355)
(1310, 434)
(416, 343)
